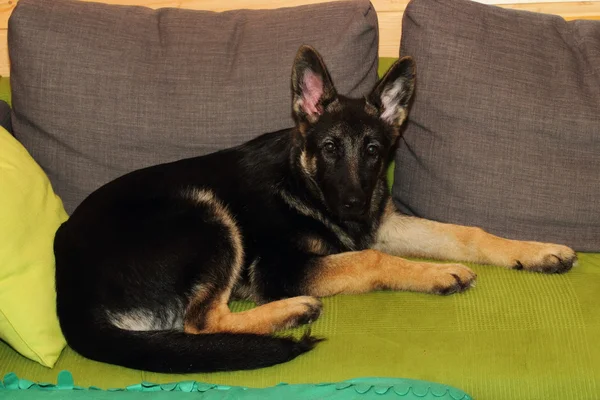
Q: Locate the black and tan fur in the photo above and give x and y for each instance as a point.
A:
(147, 264)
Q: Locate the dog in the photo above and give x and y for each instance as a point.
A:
(146, 265)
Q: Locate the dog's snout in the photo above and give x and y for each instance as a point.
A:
(354, 203)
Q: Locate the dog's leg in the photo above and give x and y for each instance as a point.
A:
(411, 236)
(215, 316)
(207, 308)
(368, 270)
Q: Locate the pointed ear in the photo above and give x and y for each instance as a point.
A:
(393, 92)
(312, 88)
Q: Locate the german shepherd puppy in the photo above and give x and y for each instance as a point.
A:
(146, 265)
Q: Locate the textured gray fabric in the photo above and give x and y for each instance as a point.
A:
(504, 132)
(100, 90)
(5, 116)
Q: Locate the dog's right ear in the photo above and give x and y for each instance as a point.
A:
(312, 88)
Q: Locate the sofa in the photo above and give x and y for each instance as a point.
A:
(503, 134)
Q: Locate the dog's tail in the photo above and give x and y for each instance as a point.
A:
(178, 352)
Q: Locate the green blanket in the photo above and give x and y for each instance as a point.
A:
(517, 335)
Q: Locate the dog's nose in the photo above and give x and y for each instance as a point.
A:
(354, 203)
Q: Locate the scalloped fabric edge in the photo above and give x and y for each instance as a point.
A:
(379, 388)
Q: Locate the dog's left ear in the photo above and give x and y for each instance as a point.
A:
(391, 95)
(312, 88)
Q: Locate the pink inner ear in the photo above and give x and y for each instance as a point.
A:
(312, 91)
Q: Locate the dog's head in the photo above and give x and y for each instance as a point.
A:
(343, 144)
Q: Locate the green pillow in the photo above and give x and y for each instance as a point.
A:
(30, 213)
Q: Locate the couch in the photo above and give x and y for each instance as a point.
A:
(517, 335)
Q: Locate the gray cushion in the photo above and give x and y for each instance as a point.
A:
(100, 90)
(5, 116)
(504, 132)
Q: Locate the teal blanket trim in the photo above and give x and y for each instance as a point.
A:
(366, 388)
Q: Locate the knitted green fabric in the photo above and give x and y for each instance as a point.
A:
(5, 89)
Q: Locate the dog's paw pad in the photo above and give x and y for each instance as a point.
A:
(453, 278)
(549, 259)
(312, 313)
(307, 310)
(518, 266)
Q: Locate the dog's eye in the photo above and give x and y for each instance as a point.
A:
(329, 147)
(372, 150)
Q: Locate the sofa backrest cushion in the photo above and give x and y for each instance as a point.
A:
(100, 90)
(504, 132)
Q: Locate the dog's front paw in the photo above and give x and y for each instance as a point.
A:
(450, 278)
(303, 310)
(547, 258)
